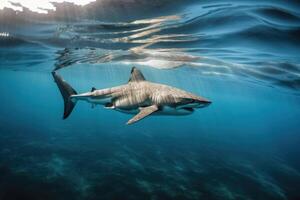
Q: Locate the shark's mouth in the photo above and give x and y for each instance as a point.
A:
(188, 109)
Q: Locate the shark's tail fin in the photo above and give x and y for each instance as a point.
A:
(66, 91)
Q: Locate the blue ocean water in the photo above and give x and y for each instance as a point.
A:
(243, 56)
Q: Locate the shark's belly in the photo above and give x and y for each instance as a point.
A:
(101, 101)
(165, 110)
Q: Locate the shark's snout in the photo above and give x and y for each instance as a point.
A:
(204, 100)
(201, 103)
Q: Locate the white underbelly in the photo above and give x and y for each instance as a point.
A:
(166, 110)
(173, 111)
(101, 101)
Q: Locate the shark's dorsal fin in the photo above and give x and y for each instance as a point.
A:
(144, 112)
(136, 75)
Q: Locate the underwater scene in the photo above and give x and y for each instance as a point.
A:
(150, 100)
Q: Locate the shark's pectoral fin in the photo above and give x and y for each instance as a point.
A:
(144, 112)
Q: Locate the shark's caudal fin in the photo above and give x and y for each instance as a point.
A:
(66, 91)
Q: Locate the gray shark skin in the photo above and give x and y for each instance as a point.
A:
(138, 96)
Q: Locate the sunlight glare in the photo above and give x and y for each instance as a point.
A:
(41, 6)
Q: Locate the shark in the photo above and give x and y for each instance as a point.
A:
(138, 96)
